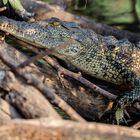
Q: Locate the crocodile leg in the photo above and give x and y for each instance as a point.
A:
(125, 100)
(128, 99)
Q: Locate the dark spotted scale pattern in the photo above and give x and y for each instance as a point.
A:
(106, 58)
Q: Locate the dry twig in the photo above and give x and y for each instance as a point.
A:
(79, 78)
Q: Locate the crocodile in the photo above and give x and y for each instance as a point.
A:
(103, 57)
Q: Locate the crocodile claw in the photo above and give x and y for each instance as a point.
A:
(120, 116)
(123, 101)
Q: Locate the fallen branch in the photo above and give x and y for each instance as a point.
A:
(49, 129)
(79, 78)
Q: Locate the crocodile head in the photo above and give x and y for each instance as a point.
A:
(40, 36)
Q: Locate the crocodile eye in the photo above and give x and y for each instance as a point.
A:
(75, 50)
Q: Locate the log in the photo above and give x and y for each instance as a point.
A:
(49, 129)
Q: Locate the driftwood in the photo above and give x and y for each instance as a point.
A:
(49, 129)
(45, 11)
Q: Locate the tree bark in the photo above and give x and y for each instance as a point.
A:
(49, 129)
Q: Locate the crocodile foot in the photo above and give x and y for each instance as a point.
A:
(126, 100)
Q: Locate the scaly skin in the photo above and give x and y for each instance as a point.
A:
(106, 58)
